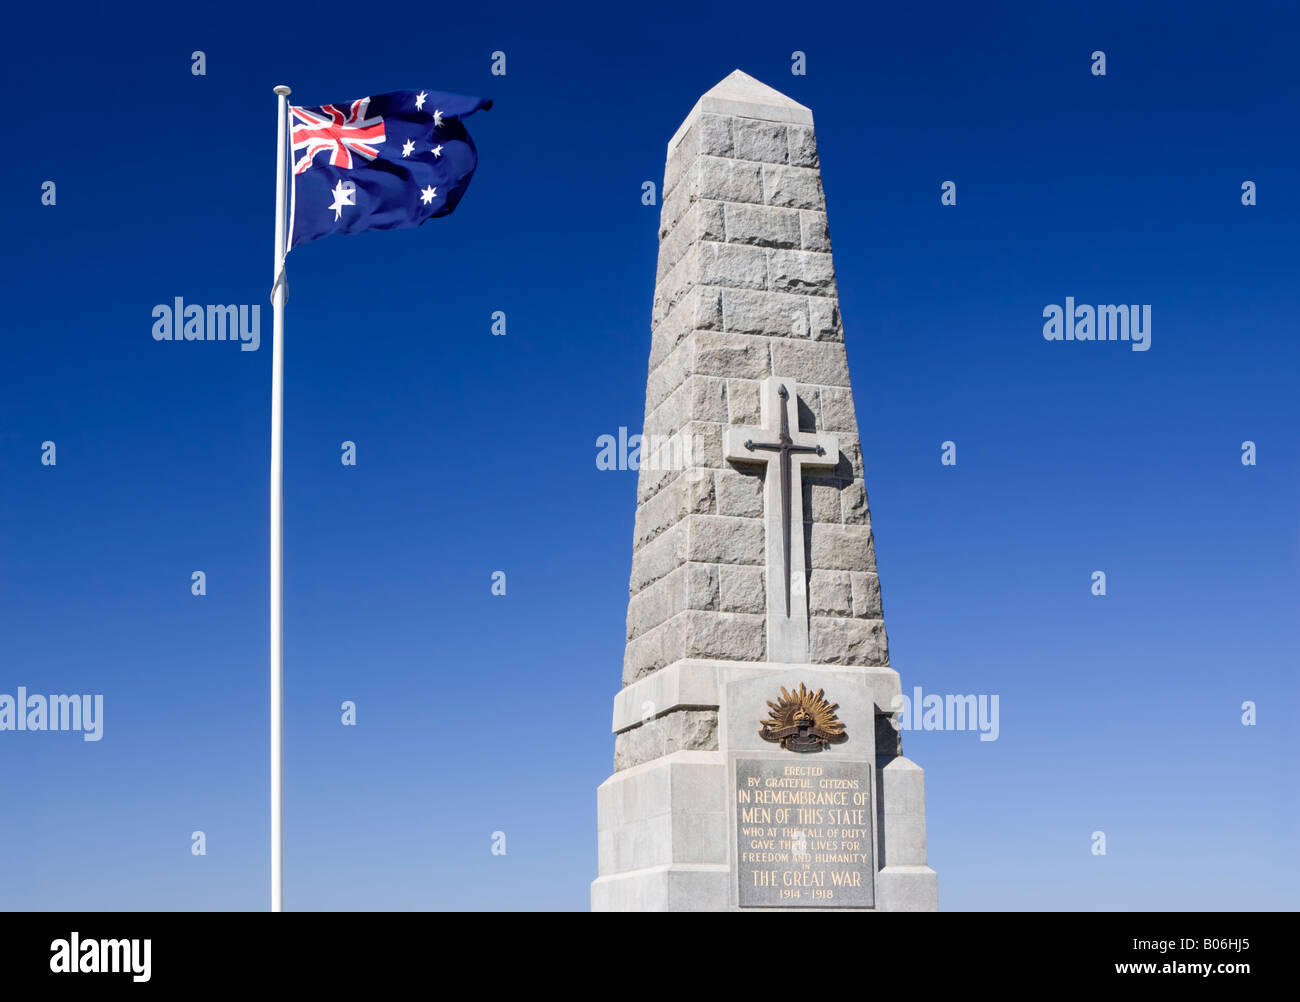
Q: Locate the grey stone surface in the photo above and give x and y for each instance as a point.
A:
(746, 311)
(792, 187)
(813, 234)
(757, 140)
(802, 146)
(743, 589)
(843, 641)
(731, 355)
(691, 888)
(740, 96)
(800, 271)
(866, 595)
(694, 683)
(762, 227)
(830, 593)
(907, 889)
(739, 494)
(811, 362)
(695, 634)
(902, 798)
(821, 499)
(680, 730)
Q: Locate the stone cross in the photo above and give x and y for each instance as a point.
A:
(790, 451)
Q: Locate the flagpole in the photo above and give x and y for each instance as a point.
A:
(277, 516)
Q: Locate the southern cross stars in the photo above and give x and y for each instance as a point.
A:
(408, 148)
(426, 196)
(343, 195)
(437, 113)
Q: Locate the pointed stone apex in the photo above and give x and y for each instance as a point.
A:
(739, 88)
(741, 95)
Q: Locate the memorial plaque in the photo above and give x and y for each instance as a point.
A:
(803, 834)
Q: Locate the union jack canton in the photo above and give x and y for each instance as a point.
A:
(379, 163)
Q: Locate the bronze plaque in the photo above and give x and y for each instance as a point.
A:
(803, 833)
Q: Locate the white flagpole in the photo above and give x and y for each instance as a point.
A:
(277, 516)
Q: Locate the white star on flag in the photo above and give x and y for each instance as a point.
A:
(343, 195)
(419, 100)
(408, 147)
(427, 194)
(436, 151)
(437, 119)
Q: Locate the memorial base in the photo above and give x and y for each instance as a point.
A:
(753, 825)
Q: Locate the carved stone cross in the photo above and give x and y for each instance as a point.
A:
(786, 452)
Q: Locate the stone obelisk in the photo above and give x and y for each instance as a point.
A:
(757, 760)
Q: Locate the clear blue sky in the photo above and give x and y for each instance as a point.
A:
(477, 453)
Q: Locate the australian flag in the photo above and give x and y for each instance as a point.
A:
(379, 163)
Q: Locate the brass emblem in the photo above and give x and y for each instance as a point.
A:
(803, 721)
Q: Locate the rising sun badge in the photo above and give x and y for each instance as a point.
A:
(803, 721)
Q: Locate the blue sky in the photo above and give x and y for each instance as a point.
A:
(477, 453)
